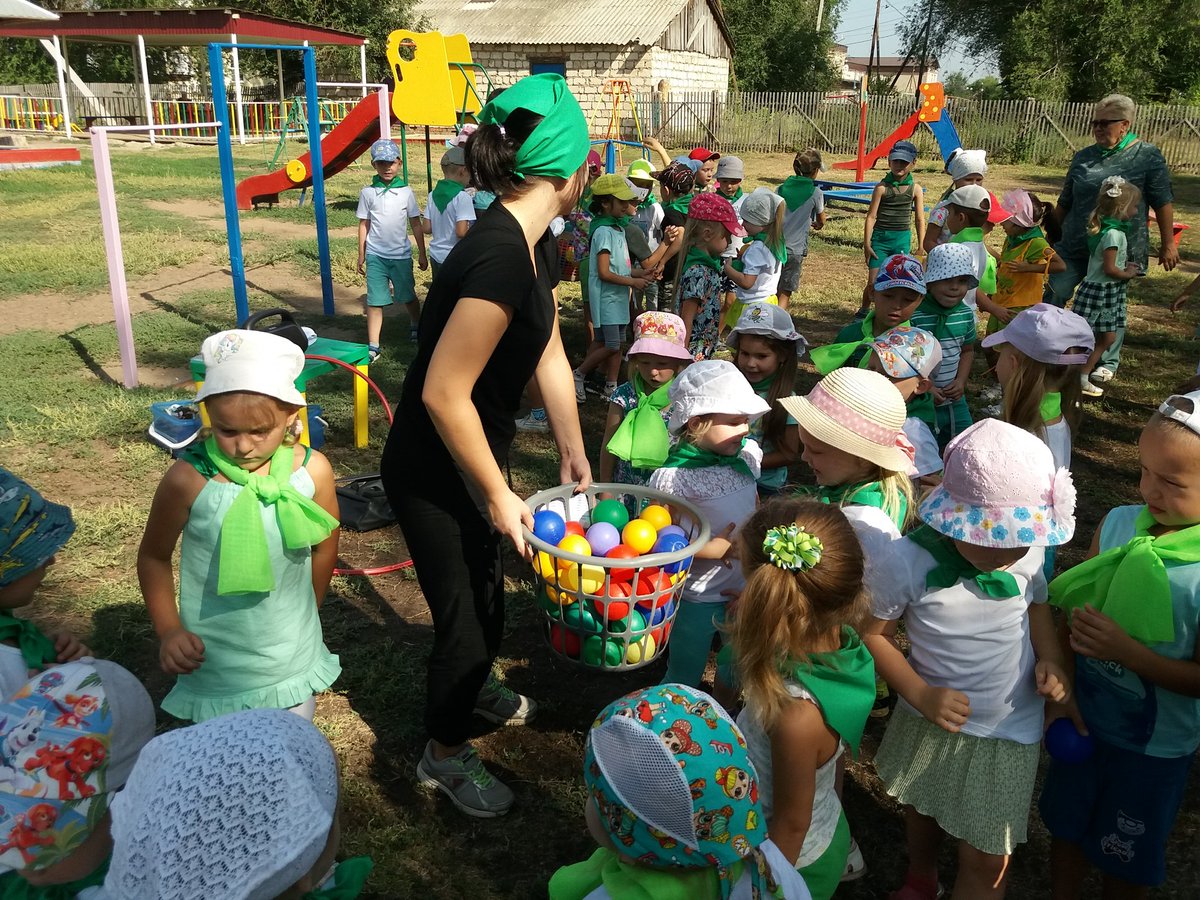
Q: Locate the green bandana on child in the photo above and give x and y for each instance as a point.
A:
(780, 252)
(987, 281)
(245, 564)
(347, 881)
(617, 222)
(795, 191)
(999, 585)
(1107, 224)
(734, 197)
(443, 192)
(834, 356)
(697, 257)
(1129, 583)
(679, 204)
(869, 493)
(559, 144)
(37, 650)
(686, 455)
(843, 683)
(1012, 242)
(397, 182)
(642, 436)
(1051, 406)
(890, 178)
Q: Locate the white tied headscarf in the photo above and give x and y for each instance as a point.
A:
(967, 162)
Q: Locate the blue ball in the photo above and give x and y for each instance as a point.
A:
(549, 526)
(1066, 745)
(669, 543)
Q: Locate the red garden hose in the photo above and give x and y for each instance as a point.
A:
(372, 570)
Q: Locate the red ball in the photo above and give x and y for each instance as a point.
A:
(621, 551)
(575, 528)
(661, 633)
(653, 583)
(565, 641)
(615, 603)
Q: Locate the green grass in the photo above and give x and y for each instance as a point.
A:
(80, 437)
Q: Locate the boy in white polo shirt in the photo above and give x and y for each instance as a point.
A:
(384, 251)
(450, 210)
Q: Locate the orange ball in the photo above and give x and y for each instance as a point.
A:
(640, 535)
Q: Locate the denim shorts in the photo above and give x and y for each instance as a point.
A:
(613, 336)
(389, 277)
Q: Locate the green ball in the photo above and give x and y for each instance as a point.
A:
(551, 608)
(576, 618)
(636, 621)
(611, 511)
(598, 651)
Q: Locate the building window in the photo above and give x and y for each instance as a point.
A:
(553, 66)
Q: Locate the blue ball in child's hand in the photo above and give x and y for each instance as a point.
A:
(1065, 744)
(549, 526)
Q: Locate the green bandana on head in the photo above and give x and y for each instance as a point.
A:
(795, 191)
(245, 564)
(999, 585)
(1129, 583)
(559, 145)
(396, 183)
(444, 192)
(642, 438)
(686, 455)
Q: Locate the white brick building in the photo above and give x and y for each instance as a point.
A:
(675, 45)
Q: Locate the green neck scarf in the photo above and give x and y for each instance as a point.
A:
(1129, 138)
(1107, 224)
(443, 192)
(397, 182)
(634, 882)
(834, 356)
(686, 455)
(868, 493)
(679, 204)
(1012, 242)
(891, 179)
(648, 202)
(967, 236)
(987, 281)
(347, 881)
(780, 252)
(697, 257)
(642, 436)
(843, 683)
(951, 567)
(921, 406)
(795, 191)
(1129, 583)
(734, 197)
(1051, 406)
(559, 144)
(36, 649)
(617, 222)
(245, 563)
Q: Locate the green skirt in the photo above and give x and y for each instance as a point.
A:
(824, 874)
(978, 789)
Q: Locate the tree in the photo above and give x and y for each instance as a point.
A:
(956, 85)
(776, 46)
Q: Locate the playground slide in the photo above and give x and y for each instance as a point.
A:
(348, 140)
(905, 131)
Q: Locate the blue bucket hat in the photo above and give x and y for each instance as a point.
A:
(902, 271)
(384, 150)
(903, 150)
(32, 529)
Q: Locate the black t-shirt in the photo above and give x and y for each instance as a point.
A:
(671, 217)
(491, 263)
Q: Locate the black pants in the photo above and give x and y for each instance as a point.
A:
(456, 554)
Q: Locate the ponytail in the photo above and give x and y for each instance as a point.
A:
(492, 151)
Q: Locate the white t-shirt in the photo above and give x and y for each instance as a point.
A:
(928, 460)
(759, 261)
(443, 224)
(876, 531)
(13, 670)
(964, 640)
(650, 219)
(1058, 439)
(723, 495)
(388, 214)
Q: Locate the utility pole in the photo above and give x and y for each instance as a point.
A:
(820, 14)
(925, 45)
(873, 58)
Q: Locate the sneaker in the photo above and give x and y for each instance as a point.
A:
(1089, 389)
(1102, 375)
(529, 423)
(503, 706)
(373, 353)
(994, 411)
(882, 707)
(412, 335)
(607, 392)
(992, 394)
(463, 778)
(856, 867)
(580, 388)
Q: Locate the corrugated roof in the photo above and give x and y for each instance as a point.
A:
(23, 9)
(890, 62)
(617, 22)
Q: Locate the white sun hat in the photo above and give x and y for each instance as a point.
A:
(257, 362)
(713, 387)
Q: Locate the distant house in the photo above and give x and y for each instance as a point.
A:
(673, 45)
(854, 69)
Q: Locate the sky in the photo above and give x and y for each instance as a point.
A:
(858, 16)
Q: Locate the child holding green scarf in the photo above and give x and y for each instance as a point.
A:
(450, 211)
(895, 202)
(635, 434)
(258, 519)
(1133, 606)
(807, 678)
(805, 212)
(1102, 296)
(715, 466)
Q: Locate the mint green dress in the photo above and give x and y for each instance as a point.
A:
(260, 650)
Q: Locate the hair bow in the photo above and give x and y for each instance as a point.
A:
(905, 446)
(1112, 185)
(792, 548)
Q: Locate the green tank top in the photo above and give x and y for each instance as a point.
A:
(895, 207)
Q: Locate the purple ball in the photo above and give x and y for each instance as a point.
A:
(674, 529)
(1065, 744)
(603, 537)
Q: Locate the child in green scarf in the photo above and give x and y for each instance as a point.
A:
(711, 224)
(258, 519)
(805, 212)
(450, 211)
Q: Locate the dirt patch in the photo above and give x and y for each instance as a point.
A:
(212, 214)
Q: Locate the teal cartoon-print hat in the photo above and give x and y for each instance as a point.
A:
(670, 776)
(32, 529)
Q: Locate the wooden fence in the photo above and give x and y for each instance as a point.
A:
(1014, 131)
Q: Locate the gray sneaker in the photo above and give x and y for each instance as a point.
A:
(462, 778)
(532, 424)
(580, 388)
(502, 706)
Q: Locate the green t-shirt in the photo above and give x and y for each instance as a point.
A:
(1095, 270)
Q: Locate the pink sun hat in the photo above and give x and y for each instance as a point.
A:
(660, 333)
(1000, 489)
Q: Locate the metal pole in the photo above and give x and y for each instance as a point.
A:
(141, 46)
(318, 176)
(237, 268)
(820, 13)
(362, 66)
(385, 114)
(60, 65)
(116, 261)
(428, 160)
(279, 74)
(237, 91)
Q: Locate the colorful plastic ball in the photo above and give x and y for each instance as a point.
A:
(661, 633)
(565, 641)
(636, 623)
(589, 579)
(613, 603)
(657, 516)
(549, 526)
(573, 543)
(611, 511)
(621, 551)
(674, 529)
(1065, 744)
(641, 650)
(600, 651)
(575, 528)
(671, 543)
(549, 604)
(603, 537)
(640, 535)
(546, 566)
(656, 615)
(579, 619)
(562, 598)
(653, 587)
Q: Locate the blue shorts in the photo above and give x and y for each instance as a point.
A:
(388, 277)
(612, 336)
(1119, 807)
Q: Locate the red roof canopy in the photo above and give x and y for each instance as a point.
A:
(176, 28)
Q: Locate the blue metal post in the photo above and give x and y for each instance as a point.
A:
(610, 154)
(318, 176)
(216, 71)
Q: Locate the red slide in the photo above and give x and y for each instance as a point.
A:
(348, 140)
(905, 131)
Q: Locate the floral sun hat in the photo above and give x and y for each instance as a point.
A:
(32, 529)
(906, 352)
(1000, 489)
(766, 320)
(660, 333)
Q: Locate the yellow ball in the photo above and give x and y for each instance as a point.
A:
(640, 650)
(545, 566)
(657, 516)
(640, 535)
(590, 579)
(573, 543)
(561, 598)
